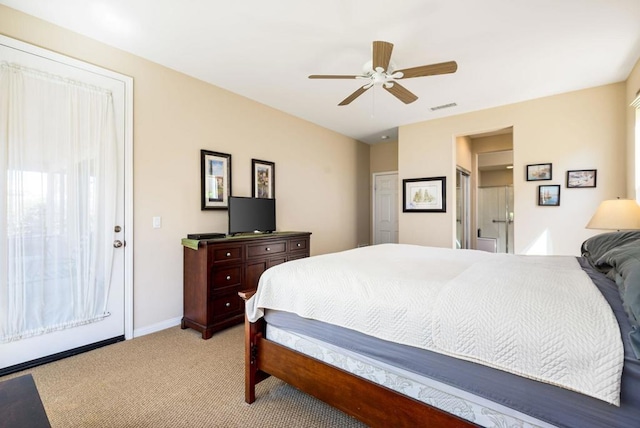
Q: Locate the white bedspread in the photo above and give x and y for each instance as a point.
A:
(535, 316)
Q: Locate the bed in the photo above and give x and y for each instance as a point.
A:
(402, 335)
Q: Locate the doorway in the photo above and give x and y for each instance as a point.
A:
(54, 257)
(488, 156)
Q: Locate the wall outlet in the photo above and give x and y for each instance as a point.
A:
(157, 222)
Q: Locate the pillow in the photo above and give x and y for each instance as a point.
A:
(631, 303)
(618, 260)
(595, 247)
(623, 263)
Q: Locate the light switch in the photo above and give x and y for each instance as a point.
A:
(157, 222)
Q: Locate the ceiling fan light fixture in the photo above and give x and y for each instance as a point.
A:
(382, 72)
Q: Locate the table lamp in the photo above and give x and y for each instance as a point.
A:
(616, 214)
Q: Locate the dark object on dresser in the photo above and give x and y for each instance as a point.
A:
(220, 268)
(206, 235)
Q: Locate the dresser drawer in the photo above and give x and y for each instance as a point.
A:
(298, 244)
(226, 305)
(226, 277)
(226, 254)
(266, 249)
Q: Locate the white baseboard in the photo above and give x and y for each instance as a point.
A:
(157, 327)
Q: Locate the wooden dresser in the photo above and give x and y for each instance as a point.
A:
(220, 268)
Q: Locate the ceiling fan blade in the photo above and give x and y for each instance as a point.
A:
(401, 93)
(429, 70)
(355, 95)
(382, 54)
(334, 76)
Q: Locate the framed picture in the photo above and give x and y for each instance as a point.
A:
(215, 171)
(424, 195)
(549, 195)
(263, 177)
(539, 171)
(581, 178)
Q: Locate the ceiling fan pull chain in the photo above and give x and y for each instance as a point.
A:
(373, 103)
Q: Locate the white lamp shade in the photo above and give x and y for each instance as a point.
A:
(616, 214)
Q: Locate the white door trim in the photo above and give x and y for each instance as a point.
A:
(128, 160)
(373, 200)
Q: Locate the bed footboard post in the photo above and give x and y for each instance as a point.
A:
(252, 331)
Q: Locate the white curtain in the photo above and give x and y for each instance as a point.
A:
(57, 202)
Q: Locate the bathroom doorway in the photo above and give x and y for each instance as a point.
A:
(490, 214)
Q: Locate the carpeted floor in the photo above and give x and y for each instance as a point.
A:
(172, 378)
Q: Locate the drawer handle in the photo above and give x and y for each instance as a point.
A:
(268, 249)
(228, 254)
(299, 244)
(227, 304)
(228, 277)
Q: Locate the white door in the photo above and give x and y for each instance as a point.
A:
(385, 208)
(113, 327)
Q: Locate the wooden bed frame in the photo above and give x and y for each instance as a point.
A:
(373, 404)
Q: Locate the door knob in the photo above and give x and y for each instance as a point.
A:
(117, 243)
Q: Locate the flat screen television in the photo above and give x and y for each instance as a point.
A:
(251, 215)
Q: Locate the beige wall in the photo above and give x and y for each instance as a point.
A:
(384, 157)
(500, 177)
(576, 130)
(464, 154)
(322, 178)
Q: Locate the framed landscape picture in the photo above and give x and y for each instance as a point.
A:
(539, 171)
(581, 178)
(215, 176)
(424, 194)
(263, 177)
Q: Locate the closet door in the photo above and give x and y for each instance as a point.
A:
(62, 216)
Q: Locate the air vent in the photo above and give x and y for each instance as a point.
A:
(443, 106)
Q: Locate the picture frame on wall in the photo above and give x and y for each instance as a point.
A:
(215, 177)
(263, 177)
(539, 171)
(581, 178)
(424, 195)
(549, 195)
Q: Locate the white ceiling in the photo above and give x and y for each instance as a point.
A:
(507, 50)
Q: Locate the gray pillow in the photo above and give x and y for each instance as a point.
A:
(597, 246)
(623, 263)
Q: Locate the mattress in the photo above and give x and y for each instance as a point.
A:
(470, 386)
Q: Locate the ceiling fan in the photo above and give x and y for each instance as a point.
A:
(379, 72)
